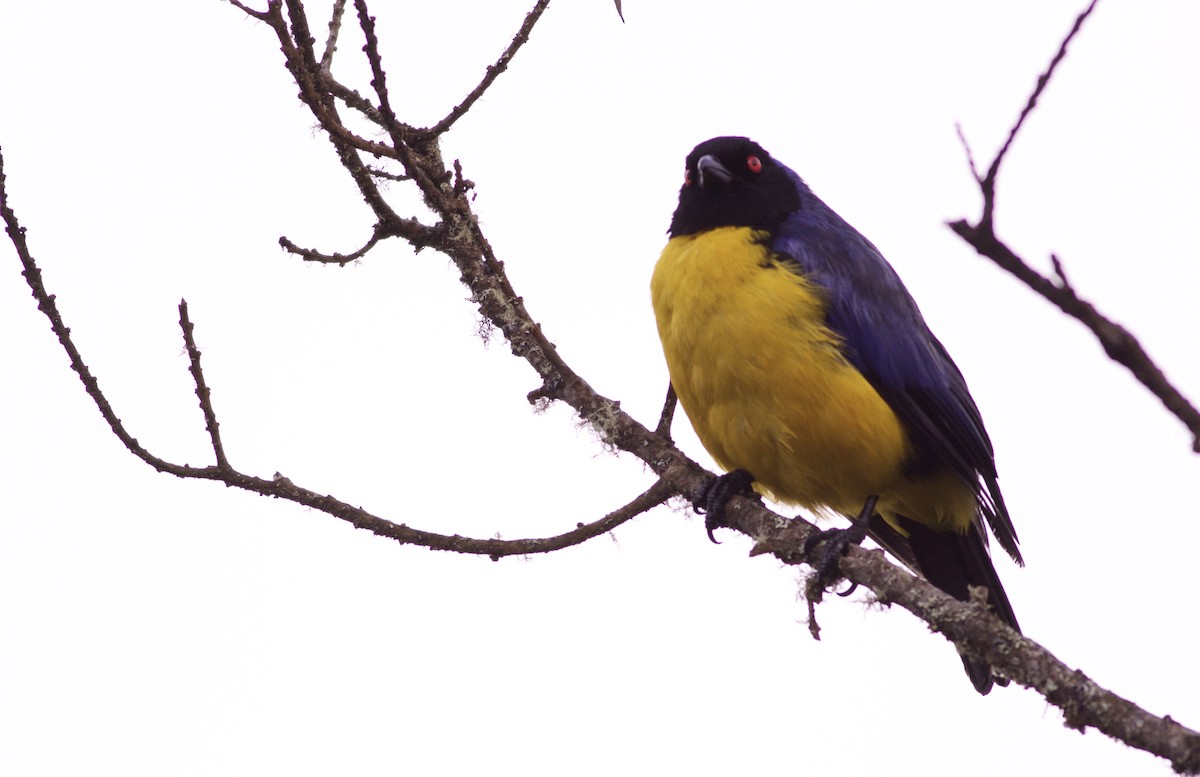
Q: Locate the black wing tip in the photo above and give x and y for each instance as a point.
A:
(955, 562)
(991, 504)
(980, 674)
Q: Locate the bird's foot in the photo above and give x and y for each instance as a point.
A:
(717, 492)
(835, 542)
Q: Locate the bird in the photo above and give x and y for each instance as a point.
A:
(809, 373)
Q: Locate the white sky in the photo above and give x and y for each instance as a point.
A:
(154, 626)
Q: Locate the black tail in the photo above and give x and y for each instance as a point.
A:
(951, 561)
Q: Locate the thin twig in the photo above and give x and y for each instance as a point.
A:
(335, 27)
(260, 15)
(462, 184)
(967, 147)
(312, 255)
(283, 488)
(203, 393)
(353, 99)
(654, 496)
(417, 234)
(385, 175)
(493, 71)
(667, 416)
(989, 182)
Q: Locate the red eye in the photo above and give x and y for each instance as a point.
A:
(687, 177)
(754, 163)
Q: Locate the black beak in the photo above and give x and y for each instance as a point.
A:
(712, 171)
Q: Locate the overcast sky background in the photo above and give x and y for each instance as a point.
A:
(153, 626)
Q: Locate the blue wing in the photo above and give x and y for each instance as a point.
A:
(887, 340)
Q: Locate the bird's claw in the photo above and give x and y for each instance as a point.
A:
(717, 492)
(835, 543)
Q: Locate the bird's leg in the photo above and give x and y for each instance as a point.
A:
(711, 501)
(836, 541)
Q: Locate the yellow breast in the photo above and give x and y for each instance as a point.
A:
(764, 381)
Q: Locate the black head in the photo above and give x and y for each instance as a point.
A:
(733, 182)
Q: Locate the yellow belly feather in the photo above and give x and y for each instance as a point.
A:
(768, 390)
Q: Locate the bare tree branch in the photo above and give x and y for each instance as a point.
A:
(1120, 345)
(48, 306)
(973, 628)
(279, 486)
